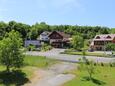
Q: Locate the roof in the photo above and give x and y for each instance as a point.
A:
(104, 37)
(64, 35)
(45, 33)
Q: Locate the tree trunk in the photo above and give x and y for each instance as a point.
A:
(90, 76)
(7, 69)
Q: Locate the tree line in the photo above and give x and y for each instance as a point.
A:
(33, 31)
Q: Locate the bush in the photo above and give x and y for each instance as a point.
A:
(95, 64)
(111, 65)
(46, 47)
(31, 47)
(110, 46)
(102, 64)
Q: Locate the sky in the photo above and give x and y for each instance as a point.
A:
(56, 12)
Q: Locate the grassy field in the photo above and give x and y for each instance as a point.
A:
(38, 61)
(104, 76)
(87, 53)
(22, 76)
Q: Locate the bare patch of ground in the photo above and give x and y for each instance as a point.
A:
(52, 76)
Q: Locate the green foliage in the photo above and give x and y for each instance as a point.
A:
(77, 42)
(46, 47)
(38, 61)
(110, 46)
(88, 66)
(104, 76)
(113, 30)
(32, 32)
(31, 47)
(10, 54)
(74, 52)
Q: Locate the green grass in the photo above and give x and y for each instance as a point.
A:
(104, 76)
(22, 76)
(17, 77)
(87, 53)
(38, 61)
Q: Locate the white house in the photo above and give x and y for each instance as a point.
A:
(44, 36)
(37, 43)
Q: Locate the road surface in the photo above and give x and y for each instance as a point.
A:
(55, 54)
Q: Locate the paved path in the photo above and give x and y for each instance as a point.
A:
(54, 75)
(55, 54)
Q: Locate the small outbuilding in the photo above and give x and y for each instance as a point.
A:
(36, 43)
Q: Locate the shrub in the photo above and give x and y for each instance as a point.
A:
(111, 65)
(46, 47)
(102, 64)
(95, 64)
(31, 47)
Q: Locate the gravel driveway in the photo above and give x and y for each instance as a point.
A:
(55, 54)
(54, 75)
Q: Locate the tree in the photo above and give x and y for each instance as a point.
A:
(77, 42)
(88, 65)
(110, 46)
(90, 69)
(2, 29)
(10, 54)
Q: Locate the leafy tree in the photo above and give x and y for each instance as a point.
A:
(110, 46)
(87, 65)
(32, 32)
(90, 69)
(10, 54)
(2, 29)
(112, 30)
(77, 42)
(46, 47)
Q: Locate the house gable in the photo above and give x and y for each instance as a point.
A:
(55, 35)
(108, 37)
(98, 37)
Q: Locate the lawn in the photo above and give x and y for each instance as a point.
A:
(38, 61)
(104, 76)
(87, 53)
(22, 76)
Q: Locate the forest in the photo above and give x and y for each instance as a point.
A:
(33, 31)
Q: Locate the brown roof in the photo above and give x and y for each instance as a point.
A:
(64, 35)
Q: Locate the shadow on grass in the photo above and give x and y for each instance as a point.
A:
(95, 81)
(16, 78)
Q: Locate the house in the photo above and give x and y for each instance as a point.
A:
(44, 36)
(100, 41)
(59, 39)
(36, 43)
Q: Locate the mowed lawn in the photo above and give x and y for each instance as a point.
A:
(87, 53)
(18, 78)
(104, 76)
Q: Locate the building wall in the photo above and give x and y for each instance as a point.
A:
(100, 45)
(37, 43)
(44, 37)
